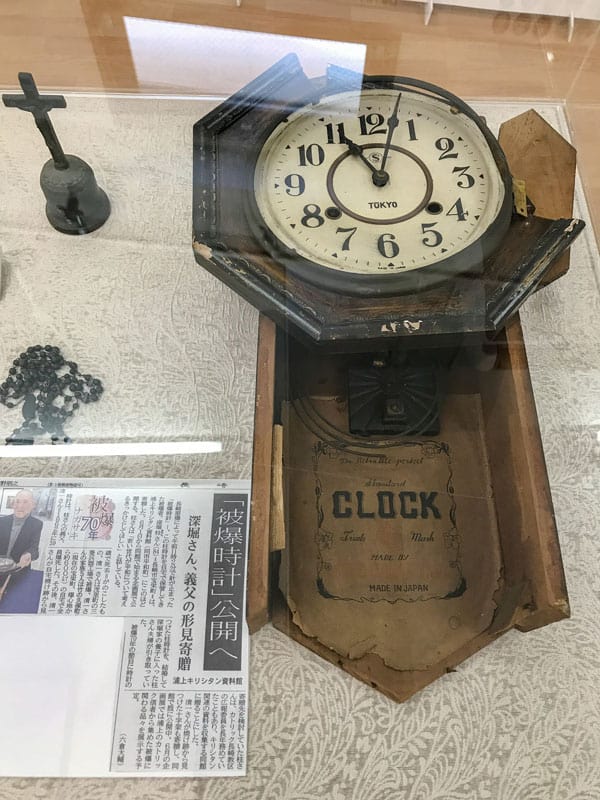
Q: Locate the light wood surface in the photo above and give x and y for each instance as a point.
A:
(257, 612)
(539, 156)
(277, 519)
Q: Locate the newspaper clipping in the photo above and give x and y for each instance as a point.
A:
(169, 561)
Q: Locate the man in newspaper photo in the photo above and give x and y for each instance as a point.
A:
(19, 543)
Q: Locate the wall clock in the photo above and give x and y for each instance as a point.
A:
(373, 219)
(364, 211)
(389, 188)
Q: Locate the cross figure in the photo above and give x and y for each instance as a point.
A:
(31, 100)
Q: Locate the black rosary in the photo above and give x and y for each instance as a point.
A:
(50, 389)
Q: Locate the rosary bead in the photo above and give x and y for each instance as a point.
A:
(42, 376)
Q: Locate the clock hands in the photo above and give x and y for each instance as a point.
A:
(392, 125)
(379, 176)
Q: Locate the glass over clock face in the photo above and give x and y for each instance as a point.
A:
(382, 187)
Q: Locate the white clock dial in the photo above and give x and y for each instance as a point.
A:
(378, 182)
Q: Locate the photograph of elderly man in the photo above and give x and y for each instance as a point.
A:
(20, 533)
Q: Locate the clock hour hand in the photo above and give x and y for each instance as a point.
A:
(392, 125)
(379, 176)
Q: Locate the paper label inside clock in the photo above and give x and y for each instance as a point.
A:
(391, 550)
(400, 528)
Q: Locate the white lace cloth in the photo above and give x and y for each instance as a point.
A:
(176, 352)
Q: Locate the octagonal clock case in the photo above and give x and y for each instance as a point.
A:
(358, 210)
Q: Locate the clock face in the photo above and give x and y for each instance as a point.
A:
(378, 186)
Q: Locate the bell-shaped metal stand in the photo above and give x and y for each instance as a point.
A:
(75, 204)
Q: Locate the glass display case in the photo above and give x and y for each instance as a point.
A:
(348, 253)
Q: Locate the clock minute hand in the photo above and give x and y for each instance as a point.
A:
(379, 176)
(392, 125)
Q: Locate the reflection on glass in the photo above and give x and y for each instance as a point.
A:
(217, 61)
(113, 449)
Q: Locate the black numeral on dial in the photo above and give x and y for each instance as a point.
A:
(312, 154)
(412, 134)
(335, 133)
(312, 216)
(295, 184)
(465, 181)
(351, 232)
(458, 211)
(387, 245)
(446, 146)
(370, 124)
(432, 238)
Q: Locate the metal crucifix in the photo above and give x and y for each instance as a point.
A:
(31, 100)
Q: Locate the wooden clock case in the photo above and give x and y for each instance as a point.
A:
(325, 326)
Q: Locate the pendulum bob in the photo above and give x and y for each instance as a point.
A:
(75, 204)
